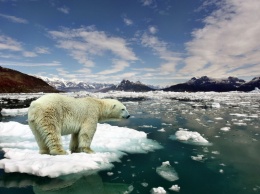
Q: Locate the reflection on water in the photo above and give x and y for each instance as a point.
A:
(75, 184)
(229, 165)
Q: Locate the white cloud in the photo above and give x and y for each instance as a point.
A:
(14, 19)
(153, 29)
(7, 43)
(42, 50)
(160, 48)
(229, 43)
(147, 2)
(64, 9)
(119, 65)
(11, 46)
(85, 43)
(29, 54)
(29, 64)
(128, 21)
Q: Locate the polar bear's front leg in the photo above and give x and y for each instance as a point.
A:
(85, 137)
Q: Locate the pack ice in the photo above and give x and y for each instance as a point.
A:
(110, 143)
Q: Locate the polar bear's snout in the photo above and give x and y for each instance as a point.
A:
(126, 117)
(126, 114)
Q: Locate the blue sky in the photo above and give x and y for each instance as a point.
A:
(159, 42)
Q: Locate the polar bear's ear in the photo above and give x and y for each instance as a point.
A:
(114, 106)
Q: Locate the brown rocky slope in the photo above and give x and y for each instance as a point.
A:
(12, 81)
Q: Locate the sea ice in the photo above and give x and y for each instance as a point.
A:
(199, 158)
(167, 172)
(110, 143)
(161, 130)
(175, 188)
(190, 137)
(225, 128)
(14, 112)
(215, 105)
(159, 190)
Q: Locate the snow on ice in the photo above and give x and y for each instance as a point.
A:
(110, 143)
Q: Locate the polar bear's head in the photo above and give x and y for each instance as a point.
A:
(115, 109)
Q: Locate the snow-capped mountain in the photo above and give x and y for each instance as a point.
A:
(75, 86)
(208, 84)
(126, 85)
(251, 85)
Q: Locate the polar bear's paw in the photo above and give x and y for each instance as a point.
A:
(86, 150)
(58, 152)
(44, 151)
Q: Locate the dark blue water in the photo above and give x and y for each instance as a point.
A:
(230, 165)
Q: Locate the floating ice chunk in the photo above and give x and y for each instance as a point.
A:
(240, 124)
(110, 143)
(189, 137)
(144, 184)
(161, 130)
(110, 173)
(253, 116)
(215, 105)
(221, 171)
(14, 112)
(215, 152)
(219, 118)
(129, 190)
(238, 114)
(167, 172)
(175, 188)
(166, 124)
(225, 128)
(199, 158)
(159, 190)
(147, 126)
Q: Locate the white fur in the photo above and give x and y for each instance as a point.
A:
(54, 115)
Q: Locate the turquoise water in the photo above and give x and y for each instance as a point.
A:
(229, 165)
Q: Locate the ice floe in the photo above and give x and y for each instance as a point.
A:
(190, 137)
(158, 190)
(167, 171)
(175, 188)
(199, 158)
(14, 112)
(161, 130)
(225, 128)
(110, 143)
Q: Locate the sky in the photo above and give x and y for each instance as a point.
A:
(157, 42)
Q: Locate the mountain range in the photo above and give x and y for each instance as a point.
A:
(206, 84)
(75, 86)
(203, 84)
(14, 81)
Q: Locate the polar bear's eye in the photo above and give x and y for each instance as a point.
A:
(123, 109)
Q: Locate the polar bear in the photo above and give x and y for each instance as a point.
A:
(54, 115)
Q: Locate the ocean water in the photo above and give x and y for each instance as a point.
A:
(229, 164)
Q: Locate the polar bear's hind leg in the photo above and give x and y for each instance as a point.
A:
(53, 140)
(43, 149)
